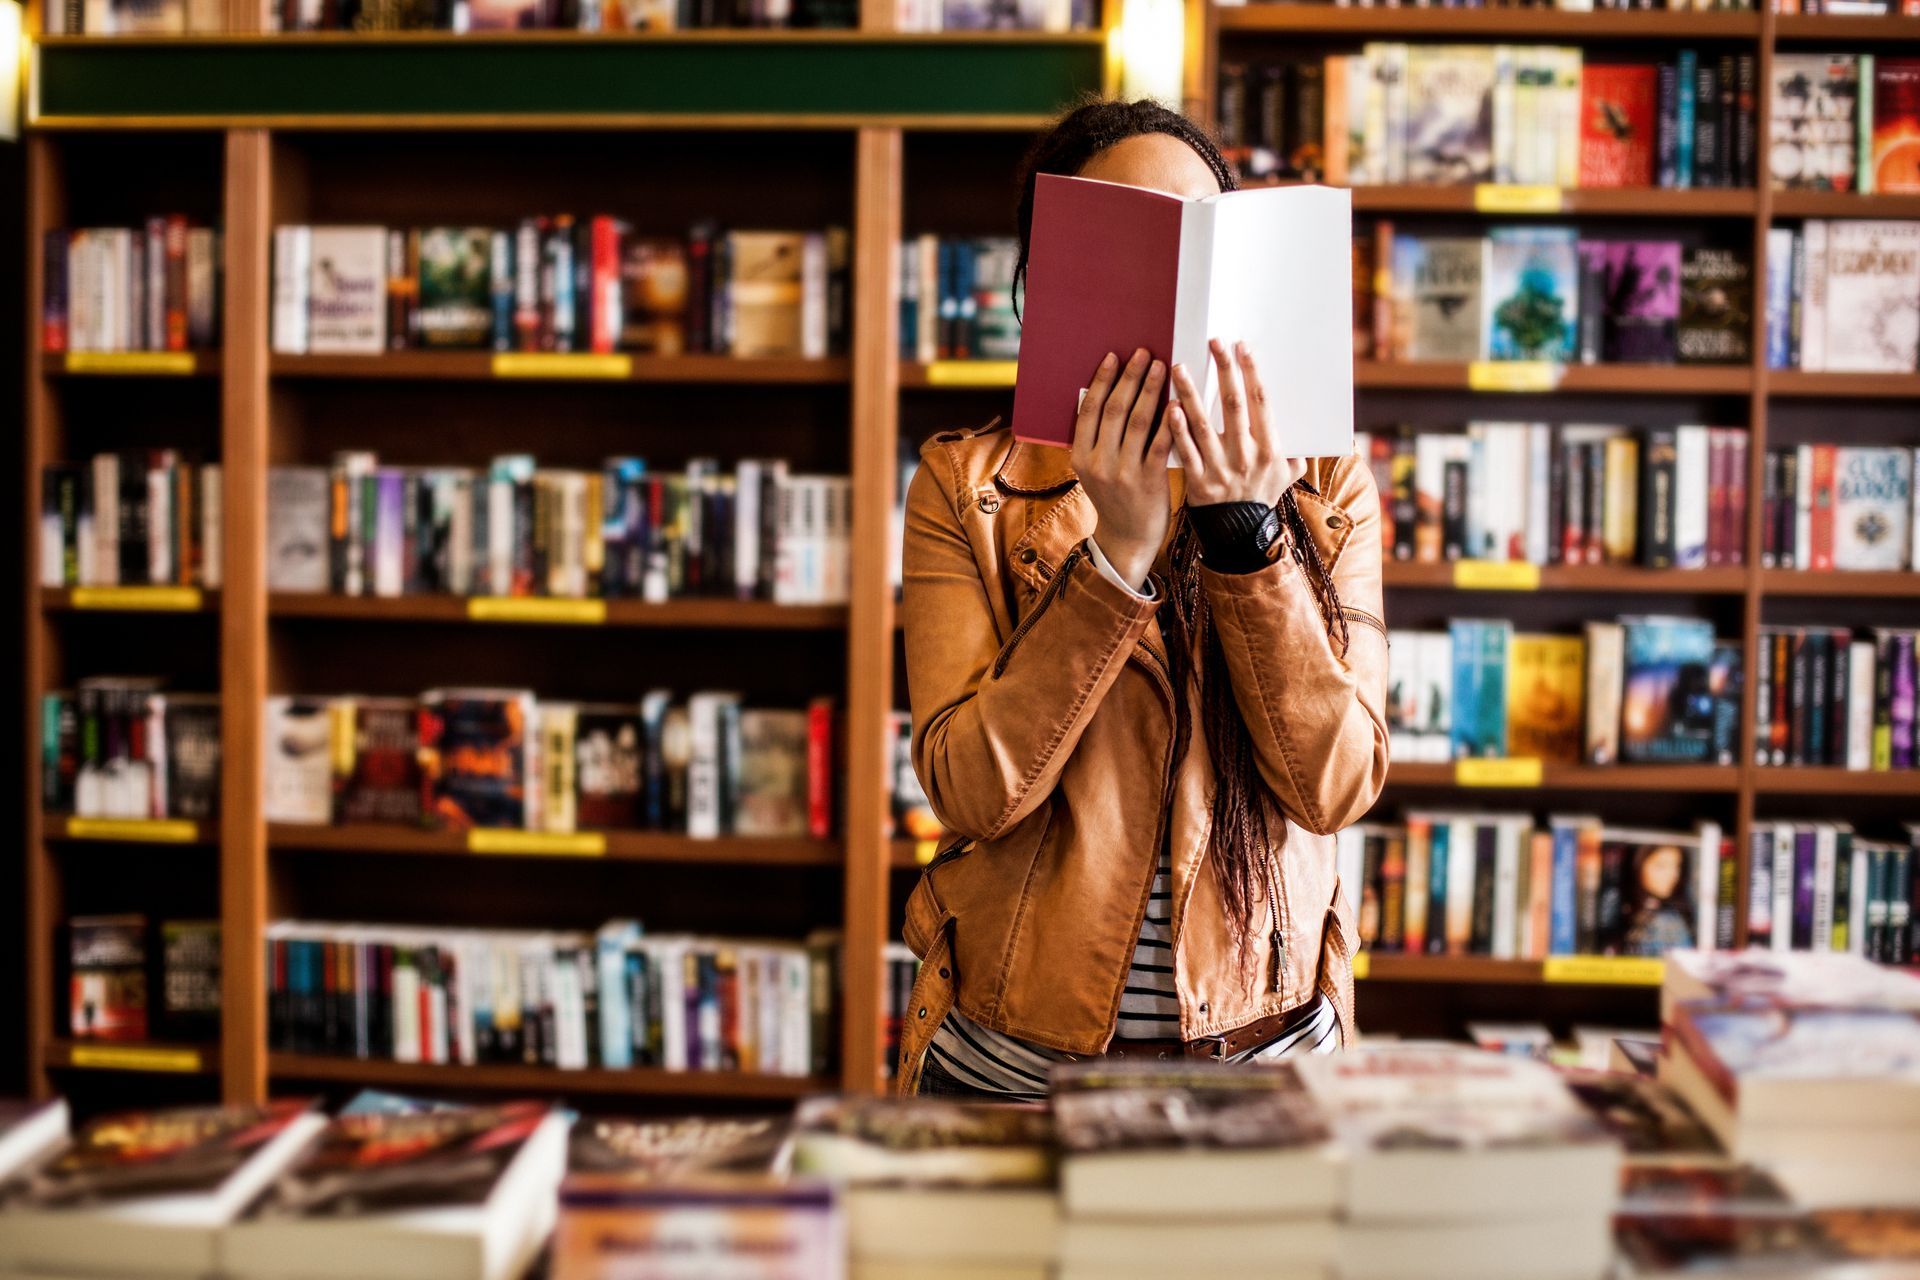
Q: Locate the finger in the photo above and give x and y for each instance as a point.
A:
(1205, 440)
(1140, 421)
(1181, 434)
(1233, 407)
(1113, 419)
(1161, 445)
(1086, 423)
(1258, 424)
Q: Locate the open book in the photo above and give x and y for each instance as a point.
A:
(1115, 268)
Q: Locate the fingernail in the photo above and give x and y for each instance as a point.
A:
(1157, 369)
(1109, 361)
(1140, 354)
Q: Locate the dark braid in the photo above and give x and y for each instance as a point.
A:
(1244, 806)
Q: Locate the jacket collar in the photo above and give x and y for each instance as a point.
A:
(1035, 470)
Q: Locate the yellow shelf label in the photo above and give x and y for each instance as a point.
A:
(1515, 772)
(1506, 197)
(149, 830)
(1513, 375)
(578, 844)
(176, 362)
(540, 364)
(971, 373)
(1362, 963)
(1617, 971)
(536, 609)
(109, 1057)
(154, 599)
(1496, 575)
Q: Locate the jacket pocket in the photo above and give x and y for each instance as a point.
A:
(1047, 597)
(927, 916)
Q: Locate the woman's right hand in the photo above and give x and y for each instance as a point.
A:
(1122, 461)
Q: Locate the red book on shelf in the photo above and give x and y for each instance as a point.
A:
(820, 772)
(1820, 524)
(1116, 268)
(1896, 126)
(603, 308)
(1618, 114)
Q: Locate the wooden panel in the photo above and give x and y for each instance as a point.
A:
(1569, 777)
(1626, 579)
(479, 366)
(539, 1081)
(752, 615)
(1854, 586)
(631, 846)
(1892, 386)
(1640, 379)
(1631, 202)
(44, 211)
(1807, 780)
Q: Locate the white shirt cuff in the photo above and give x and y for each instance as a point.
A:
(1107, 571)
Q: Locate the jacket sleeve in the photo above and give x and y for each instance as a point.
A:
(1317, 717)
(994, 720)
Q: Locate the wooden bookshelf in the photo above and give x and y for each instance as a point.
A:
(134, 1057)
(1616, 202)
(1497, 376)
(1572, 971)
(1491, 23)
(1801, 384)
(1807, 780)
(128, 364)
(483, 366)
(309, 1068)
(1683, 778)
(689, 614)
(1845, 204)
(629, 846)
(1903, 584)
(1610, 579)
(1860, 31)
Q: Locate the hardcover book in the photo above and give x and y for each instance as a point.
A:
(190, 979)
(1546, 677)
(1666, 712)
(765, 292)
(1873, 296)
(456, 287)
(476, 749)
(1201, 269)
(107, 987)
(377, 761)
(653, 276)
(1716, 307)
(1872, 503)
(347, 296)
(1530, 297)
(299, 769)
(297, 546)
(1618, 115)
(1442, 276)
(1647, 903)
(1811, 134)
(1450, 113)
(1642, 298)
(193, 755)
(1896, 126)
(607, 768)
(772, 798)
(1480, 686)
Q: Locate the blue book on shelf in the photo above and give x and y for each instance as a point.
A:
(1780, 298)
(1683, 124)
(1560, 932)
(1479, 687)
(1437, 886)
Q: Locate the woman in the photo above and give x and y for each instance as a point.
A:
(1143, 702)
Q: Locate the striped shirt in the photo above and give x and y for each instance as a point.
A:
(1149, 1010)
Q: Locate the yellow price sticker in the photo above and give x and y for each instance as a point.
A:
(536, 609)
(1496, 575)
(1362, 965)
(576, 844)
(153, 599)
(174, 362)
(1515, 772)
(1507, 197)
(1612, 971)
(542, 364)
(971, 373)
(107, 1057)
(1513, 375)
(146, 830)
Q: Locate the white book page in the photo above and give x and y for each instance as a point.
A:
(1280, 280)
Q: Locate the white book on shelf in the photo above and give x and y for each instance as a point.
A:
(212, 509)
(1706, 887)
(1857, 899)
(1782, 886)
(1509, 848)
(1813, 296)
(292, 280)
(1690, 487)
(1803, 508)
(1860, 699)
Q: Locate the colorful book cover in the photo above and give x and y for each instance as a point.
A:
(1480, 686)
(107, 983)
(474, 756)
(1449, 114)
(1102, 1110)
(1811, 133)
(1654, 1124)
(1618, 115)
(185, 1151)
(1443, 279)
(1546, 678)
(613, 1225)
(1656, 899)
(1873, 296)
(1896, 126)
(1531, 294)
(1666, 714)
(1642, 297)
(1872, 502)
(607, 757)
(456, 287)
(653, 286)
(347, 295)
(1716, 307)
(772, 799)
(376, 761)
(683, 1147)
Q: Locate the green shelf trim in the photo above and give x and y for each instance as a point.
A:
(266, 80)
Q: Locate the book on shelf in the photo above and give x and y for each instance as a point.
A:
(107, 983)
(126, 747)
(1852, 304)
(1824, 889)
(152, 287)
(150, 1192)
(1826, 698)
(956, 298)
(137, 517)
(458, 1191)
(514, 528)
(910, 812)
(559, 284)
(1211, 269)
(1843, 507)
(1813, 130)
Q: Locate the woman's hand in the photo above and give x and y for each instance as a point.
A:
(1122, 461)
(1243, 462)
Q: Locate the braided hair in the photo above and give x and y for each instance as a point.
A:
(1244, 806)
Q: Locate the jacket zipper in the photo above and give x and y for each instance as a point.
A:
(1362, 616)
(1026, 624)
(949, 853)
(1277, 938)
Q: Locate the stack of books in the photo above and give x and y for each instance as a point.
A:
(1171, 1166)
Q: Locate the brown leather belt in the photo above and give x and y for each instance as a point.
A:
(1215, 1048)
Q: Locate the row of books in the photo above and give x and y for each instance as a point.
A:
(1843, 296)
(1453, 883)
(956, 298)
(1445, 114)
(125, 747)
(1839, 507)
(456, 759)
(1845, 122)
(559, 284)
(1642, 690)
(1816, 886)
(154, 287)
(1850, 8)
(1664, 497)
(131, 978)
(616, 998)
(1822, 697)
(995, 15)
(138, 517)
(1545, 293)
(462, 16)
(625, 531)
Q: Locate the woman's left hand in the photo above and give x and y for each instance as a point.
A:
(1241, 463)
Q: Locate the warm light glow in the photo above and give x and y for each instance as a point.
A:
(13, 53)
(1153, 35)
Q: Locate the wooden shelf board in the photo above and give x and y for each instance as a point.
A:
(698, 36)
(1806, 780)
(1795, 582)
(53, 364)
(1573, 777)
(1802, 26)
(1612, 201)
(477, 366)
(1879, 386)
(1630, 379)
(712, 614)
(319, 1068)
(1595, 578)
(1847, 204)
(134, 1056)
(1381, 966)
(956, 375)
(61, 600)
(66, 828)
(628, 846)
(1400, 23)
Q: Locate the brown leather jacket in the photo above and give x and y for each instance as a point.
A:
(1043, 733)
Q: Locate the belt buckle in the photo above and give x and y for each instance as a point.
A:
(1208, 1048)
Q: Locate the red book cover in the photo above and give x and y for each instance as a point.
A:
(1896, 126)
(820, 768)
(175, 303)
(1820, 527)
(1618, 114)
(603, 308)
